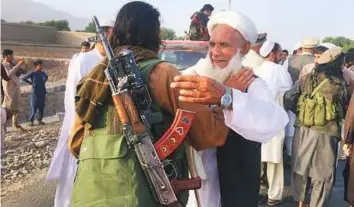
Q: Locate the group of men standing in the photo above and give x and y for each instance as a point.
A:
(243, 116)
(314, 86)
(11, 72)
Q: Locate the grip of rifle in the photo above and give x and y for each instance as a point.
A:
(187, 184)
(119, 105)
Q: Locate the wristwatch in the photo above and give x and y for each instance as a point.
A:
(226, 99)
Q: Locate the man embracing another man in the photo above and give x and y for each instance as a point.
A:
(230, 173)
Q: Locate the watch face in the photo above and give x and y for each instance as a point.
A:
(226, 100)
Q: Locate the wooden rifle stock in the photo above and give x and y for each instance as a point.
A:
(127, 111)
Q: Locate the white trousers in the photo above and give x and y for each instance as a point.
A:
(3, 123)
(275, 177)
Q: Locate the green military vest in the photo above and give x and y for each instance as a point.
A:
(320, 105)
(109, 173)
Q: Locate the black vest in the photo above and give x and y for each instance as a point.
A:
(239, 166)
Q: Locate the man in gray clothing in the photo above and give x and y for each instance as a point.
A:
(296, 63)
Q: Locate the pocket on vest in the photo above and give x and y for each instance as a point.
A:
(320, 111)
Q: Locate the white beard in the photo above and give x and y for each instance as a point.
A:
(204, 67)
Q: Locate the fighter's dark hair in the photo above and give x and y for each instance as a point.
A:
(349, 58)
(137, 24)
(333, 68)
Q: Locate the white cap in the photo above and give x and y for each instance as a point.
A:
(266, 48)
(107, 23)
(237, 21)
(297, 46)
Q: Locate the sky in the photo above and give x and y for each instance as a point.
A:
(286, 21)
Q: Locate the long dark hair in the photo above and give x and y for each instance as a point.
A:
(137, 24)
(349, 58)
(332, 69)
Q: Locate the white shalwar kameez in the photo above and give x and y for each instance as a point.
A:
(255, 116)
(278, 81)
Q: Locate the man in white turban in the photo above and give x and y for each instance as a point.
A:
(250, 112)
(253, 59)
(64, 165)
(278, 81)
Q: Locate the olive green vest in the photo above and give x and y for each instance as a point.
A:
(109, 173)
(320, 105)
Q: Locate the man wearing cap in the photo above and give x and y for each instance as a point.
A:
(252, 59)
(296, 63)
(250, 112)
(278, 81)
(321, 48)
(319, 101)
(63, 166)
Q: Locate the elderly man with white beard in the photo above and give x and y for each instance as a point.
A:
(251, 113)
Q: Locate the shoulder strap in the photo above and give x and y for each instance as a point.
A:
(147, 65)
(154, 116)
(318, 87)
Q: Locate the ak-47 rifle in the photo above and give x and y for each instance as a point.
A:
(132, 101)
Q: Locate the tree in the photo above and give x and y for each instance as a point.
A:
(60, 25)
(167, 34)
(342, 42)
(28, 22)
(90, 27)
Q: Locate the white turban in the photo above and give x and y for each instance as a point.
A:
(266, 48)
(237, 21)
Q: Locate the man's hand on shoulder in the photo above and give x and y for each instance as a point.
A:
(241, 80)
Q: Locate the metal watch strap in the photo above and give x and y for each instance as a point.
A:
(228, 91)
(227, 95)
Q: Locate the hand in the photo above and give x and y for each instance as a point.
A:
(198, 89)
(241, 80)
(20, 62)
(347, 149)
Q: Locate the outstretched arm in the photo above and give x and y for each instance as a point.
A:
(13, 70)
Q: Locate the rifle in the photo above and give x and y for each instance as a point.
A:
(133, 102)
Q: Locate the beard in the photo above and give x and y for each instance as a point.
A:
(222, 74)
(205, 67)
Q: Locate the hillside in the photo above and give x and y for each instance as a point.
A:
(23, 10)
